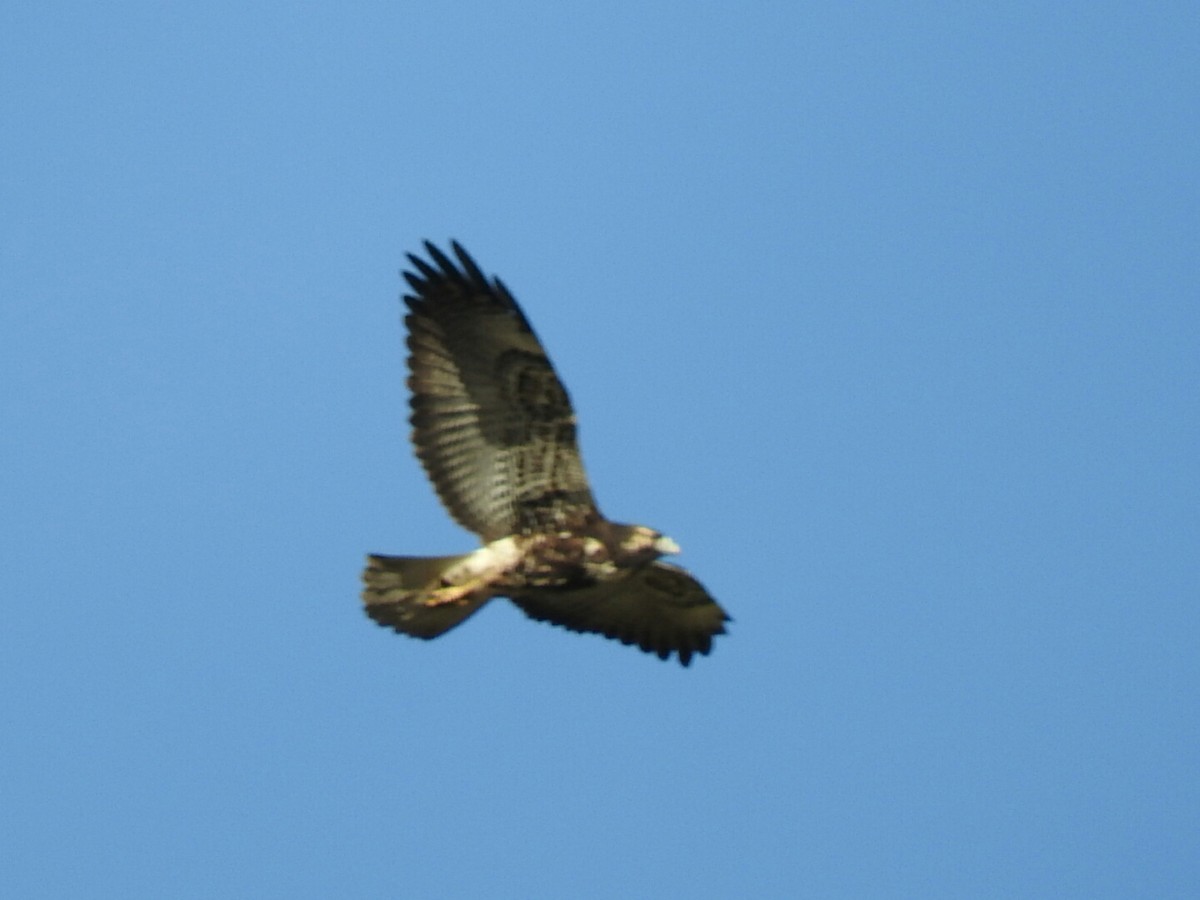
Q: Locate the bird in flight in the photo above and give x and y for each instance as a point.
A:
(494, 430)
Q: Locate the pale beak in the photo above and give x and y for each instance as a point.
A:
(664, 545)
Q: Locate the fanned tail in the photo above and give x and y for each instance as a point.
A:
(408, 593)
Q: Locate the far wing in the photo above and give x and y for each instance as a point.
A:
(492, 423)
(659, 607)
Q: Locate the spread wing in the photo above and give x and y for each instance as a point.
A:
(492, 424)
(659, 607)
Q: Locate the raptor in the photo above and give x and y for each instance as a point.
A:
(495, 432)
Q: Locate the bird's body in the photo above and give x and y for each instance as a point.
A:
(494, 429)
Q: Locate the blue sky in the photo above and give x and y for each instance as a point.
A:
(889, 314)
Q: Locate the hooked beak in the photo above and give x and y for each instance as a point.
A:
(665, 546)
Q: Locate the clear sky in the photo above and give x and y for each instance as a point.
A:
(888, 313)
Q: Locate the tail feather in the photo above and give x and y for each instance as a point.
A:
(399, 593)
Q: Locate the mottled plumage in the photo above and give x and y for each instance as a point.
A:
(494, 429)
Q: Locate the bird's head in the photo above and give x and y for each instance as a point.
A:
(638, 544)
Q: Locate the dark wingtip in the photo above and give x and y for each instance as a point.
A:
(443, 267)
(473, 272)
(444, 262)
(427, 271)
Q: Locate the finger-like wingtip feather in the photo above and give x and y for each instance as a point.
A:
(474, 273)
(449, 269)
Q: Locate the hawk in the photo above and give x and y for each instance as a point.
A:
(494, 430)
